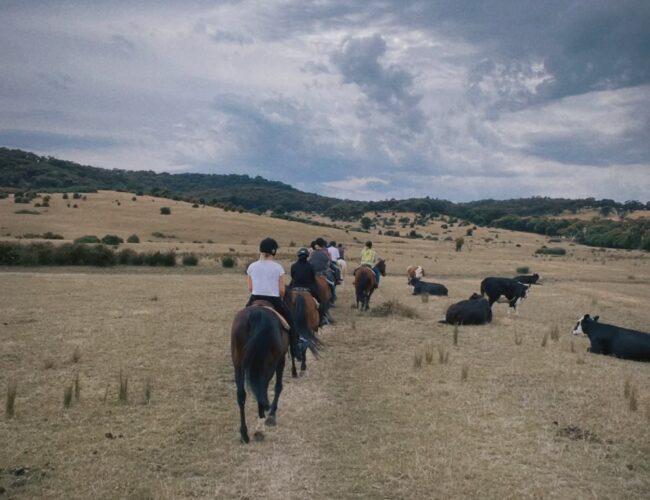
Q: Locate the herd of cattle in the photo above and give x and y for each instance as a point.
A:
(477, 310)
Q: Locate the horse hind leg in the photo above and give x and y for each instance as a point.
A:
(270, 420)
(294, 371)
(241, 401)
(303, 362)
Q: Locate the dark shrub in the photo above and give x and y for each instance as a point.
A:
(523, 270)
(160, 258)
(551, 251)
(128, 257)
(65, 196)
(27, 212)
(52, 236)
(165, 211)
(9, 253)
(21, 199)
(196, 205)
(133, 239)
(89, 238)
(76, 196)
(112, 239)
(228, 262)
(469, 232)
(190, 260)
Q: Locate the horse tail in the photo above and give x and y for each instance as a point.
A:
(301, 327)
(362, 283)
(258, 372)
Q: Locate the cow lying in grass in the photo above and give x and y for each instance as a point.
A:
(613, 340)
(422, 287)
(474, 311)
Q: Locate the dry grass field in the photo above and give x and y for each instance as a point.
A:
(512, 413)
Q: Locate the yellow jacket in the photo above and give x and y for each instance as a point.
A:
(367, 256)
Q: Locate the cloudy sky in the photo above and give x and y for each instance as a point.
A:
(358, 99)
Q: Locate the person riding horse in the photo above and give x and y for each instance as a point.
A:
(320, 259)
(304, 276)
(368, 258)
(265, 279)
(333, 251)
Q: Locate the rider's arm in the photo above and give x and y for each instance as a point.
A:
(281, 285)
(249, 282)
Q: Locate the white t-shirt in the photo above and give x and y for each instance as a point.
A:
(334, 253)
(265, 275)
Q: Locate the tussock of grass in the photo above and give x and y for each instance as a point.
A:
(443, 355)
(76, 355)
(464, 372)
(555, 333)
(147, 391)
(67, 396)
(123, 389)
(394, 308)
(428, 354)
(77, 387)
(417, 360)
(519, 338)
(455, 335)
(545, 339)
(12, 389)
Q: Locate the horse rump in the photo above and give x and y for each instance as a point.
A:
(300, 324)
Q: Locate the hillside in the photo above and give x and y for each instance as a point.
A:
(22, 171)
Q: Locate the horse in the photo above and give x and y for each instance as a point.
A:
(325, 294)
(258, 346)
(365, 282)
(306, 320)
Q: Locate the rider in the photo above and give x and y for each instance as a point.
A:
(265, 279)
(334, 256)
(304, 276)
(368, 259)
(320, 259)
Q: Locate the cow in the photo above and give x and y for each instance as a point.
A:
(529, 279)
(474, 311)
(513, 291)
(414, 272)
(422, 287)
(613, 340)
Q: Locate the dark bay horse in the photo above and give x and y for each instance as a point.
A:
(325, 294)
(306, 320)
(258, 346)
(365, 283)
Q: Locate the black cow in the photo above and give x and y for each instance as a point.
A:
(529, 279)
(511, 289)
(613, 340)
(420, 287)
(474, 311)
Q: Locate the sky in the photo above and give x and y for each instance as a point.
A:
(454, 99)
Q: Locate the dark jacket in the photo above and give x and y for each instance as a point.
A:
(302, 274)
(320, 261)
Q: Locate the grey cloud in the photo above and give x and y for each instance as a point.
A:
(390, 87)
(231, 37)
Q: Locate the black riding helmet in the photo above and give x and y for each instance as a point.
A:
(332, 243)
(269, 246)
(369, 244)
(321, 242)
(303, 253)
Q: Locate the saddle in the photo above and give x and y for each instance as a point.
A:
(305, 290)
(267, 305)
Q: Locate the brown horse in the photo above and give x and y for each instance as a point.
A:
(258, 346)
(325, 294)
(365, 283)
(306, 319)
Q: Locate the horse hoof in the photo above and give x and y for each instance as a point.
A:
(244, 438)
(258, 436)
(270, 421)
(294, 373)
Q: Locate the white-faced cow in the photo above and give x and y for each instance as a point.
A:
(513, 291)
(613, 340)
(422, 287)
(529, 279)
(474, 311)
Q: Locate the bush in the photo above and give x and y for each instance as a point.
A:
(160, 258)
(469, 232)
(112, 239)
(551, 251)
(165, 211)
(190, 260)
(76, 196)
(523, 270)
(90, 238)
(65, 196)
(133, 239)
(228, 262)
(459, 243)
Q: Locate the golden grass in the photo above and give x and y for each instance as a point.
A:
(362, 422)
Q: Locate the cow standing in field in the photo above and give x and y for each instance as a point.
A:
(613, 340)
(422, 287)
(529, 279)
(513, 291)
(474, 311)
